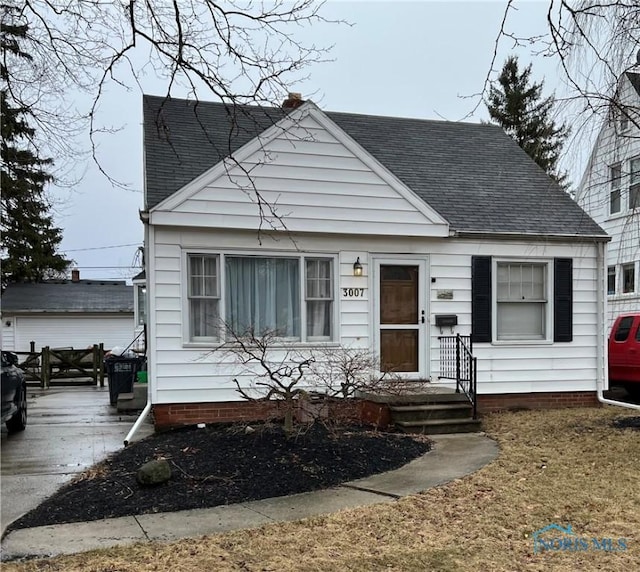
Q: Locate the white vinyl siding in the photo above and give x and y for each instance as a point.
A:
(615, 147)
(313, 182)
(184, 374)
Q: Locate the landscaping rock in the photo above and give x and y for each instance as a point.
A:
(154, 472)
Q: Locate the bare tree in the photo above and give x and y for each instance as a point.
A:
(344, 372)
(593, 42)
(275, 371)
(236, 52)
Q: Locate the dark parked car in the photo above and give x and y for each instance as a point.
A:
(14, 394)
(624, 352)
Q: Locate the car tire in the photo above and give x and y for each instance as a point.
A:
(19, 421)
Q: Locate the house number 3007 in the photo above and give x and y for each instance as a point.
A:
(353, 292)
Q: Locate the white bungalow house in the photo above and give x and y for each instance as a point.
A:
(344, 230)
(610, 193)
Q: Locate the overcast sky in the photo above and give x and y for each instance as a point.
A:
(415, 59)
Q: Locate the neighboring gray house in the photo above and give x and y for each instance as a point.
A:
(610, 193)
(391, 223)
(67, 313)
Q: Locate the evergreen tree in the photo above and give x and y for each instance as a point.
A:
(29, 237)
(518, 106)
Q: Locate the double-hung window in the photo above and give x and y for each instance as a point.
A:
(634, 183)
(611, 280)
(628, 278)
(319, 298)
(204, 296)
(615, 179)
(521, 301)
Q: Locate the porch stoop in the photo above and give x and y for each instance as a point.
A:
(434, 413)
(134, 401)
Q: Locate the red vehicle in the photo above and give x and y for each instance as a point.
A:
(624, 352)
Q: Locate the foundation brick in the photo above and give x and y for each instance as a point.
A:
(548, 400)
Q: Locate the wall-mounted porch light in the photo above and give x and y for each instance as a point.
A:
(357, 267)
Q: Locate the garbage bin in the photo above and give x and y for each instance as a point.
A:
(121, 372)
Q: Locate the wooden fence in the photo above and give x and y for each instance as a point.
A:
(63, 366)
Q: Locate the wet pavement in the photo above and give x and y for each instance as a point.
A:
(68, 430)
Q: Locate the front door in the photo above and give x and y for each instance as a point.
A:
(401, 316)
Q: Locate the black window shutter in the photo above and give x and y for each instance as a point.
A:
(563, 300)
(481, 298)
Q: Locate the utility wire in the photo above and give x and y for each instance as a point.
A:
(103, 247)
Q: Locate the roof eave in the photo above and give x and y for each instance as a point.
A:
(532, 236)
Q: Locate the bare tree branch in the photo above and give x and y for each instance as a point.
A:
(239, 53)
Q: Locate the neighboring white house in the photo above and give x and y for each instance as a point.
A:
(67, 313)
(610, 193)
(445, 219)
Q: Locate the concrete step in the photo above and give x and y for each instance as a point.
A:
(439, 395)
(439, 426)
(458, 410)
(133, 401)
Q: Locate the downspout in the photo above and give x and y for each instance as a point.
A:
(144, 217)
(602, 337)
(139, 421)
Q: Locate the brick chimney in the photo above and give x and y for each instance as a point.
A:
(75, 275)
(293, 100)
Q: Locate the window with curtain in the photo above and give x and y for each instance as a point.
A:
(319, 298)
(263, 295)
(521, 301)
(204, 295)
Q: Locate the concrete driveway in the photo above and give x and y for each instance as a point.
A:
(68, 430)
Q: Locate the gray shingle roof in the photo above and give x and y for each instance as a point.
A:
(100, 296)
(474, 175)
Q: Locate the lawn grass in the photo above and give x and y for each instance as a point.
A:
(566, 467)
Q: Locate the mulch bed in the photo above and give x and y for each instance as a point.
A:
(627, 423)
(216, 466)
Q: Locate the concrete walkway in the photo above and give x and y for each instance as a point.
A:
(69, 429)
(452, 457)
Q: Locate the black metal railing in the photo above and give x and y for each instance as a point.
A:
(457, 362)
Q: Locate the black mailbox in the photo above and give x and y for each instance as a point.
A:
(446, 320)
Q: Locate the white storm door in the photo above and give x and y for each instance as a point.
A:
(401, 315)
